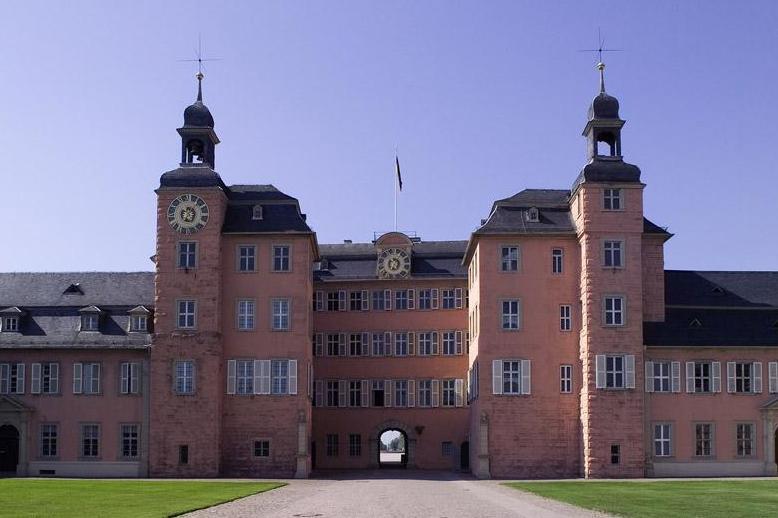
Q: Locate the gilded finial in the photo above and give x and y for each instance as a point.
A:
(601, 68)
(200, 77)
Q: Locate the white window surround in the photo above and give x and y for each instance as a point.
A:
(256, 212)
(44, 378)
(519, 378)
(184, 381)
(186, 255)
(663, 376)
(510, 258)
(566, 379)
(510, 314)
(662, 438)
(613, 199)
(565, 317)
(186, 314)
(615, 371)
(281, 314)
(245, 313)
(614, 310)
(701, 379)
(129, 377)
(613, 253)
(744, 377)
(281, 258)
(270, 377)
(557, 261)
(86, 378)
(245, 258)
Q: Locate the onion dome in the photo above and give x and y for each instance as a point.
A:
(603, 106)
(198, 114)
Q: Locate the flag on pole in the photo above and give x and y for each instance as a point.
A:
(399, 176)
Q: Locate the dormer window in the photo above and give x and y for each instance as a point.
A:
(139, 320)
(73, 289)
(256, 212)
(90, 318)
(533, 215)
(10, 325)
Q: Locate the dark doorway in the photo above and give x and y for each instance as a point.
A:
(775, 446)
(313, 455)
(9, 448)
(392, 449)
(464, 456)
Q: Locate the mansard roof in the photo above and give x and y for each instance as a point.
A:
(717, 309)
(358, 261)
(47, 289)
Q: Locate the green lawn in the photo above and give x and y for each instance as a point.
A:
(704, 498)
(117, 498)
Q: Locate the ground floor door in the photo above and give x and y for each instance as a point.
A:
(464, 456)
(9, 448)
(775, 448)
(392, 449)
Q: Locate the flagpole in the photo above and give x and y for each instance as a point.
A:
(396, 182)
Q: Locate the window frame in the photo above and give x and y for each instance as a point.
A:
(239, 258)
(5, 325)
(281, 316)
(622, 310)
(83, 438)
(566, 318)
(273, 249)
(510, 315)
(557, 258)
(711, 439)
(186, 315)
(566, 378)
(608, 251)
(508, 260)
(239, 316)
(122, 439)
(260, 445)
(47, 440)
(662, 441)
(188, 378)
(609, 194)
(751, 440)
(193, 254)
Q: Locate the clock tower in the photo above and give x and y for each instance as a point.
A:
(186, 358)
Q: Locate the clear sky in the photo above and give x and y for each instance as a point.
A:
(482, 98)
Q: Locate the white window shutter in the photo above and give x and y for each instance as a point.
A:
(526, 377)
(5, 378)
(458, 298)
(35, 378)
(649, 375)
(772, 368)
(629, 371)
(675, 376)
(365, 393)
(388, 300)
(342, 344)
(411, 393)
(54, 378)
(731, 377)
(497, 377)
(689, 377)
(459, 389)
(257, 376)
(319, 301)
(716, 369)
(756, 386)
(411, 343)
(20, 378)
(599, 371)
(366, 344)
(264, 376)
(342, 302)
(231, 371)
(435, 393)
(319, 341)
(319, 391)
(125, 378)
(435, 343)
(458, 342)
(388, 349)
(388, 391)
(77, 381)
(342, 393)
(365, 300)
(293, 377)
(310, 380)
(435, 298)
(135, 377)
(411, 299)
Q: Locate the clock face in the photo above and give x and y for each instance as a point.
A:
(394, 263)
(187, 214)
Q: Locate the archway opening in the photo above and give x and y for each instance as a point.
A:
(775, 445)
(392, 449)
(9, 448)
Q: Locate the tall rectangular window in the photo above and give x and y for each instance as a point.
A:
(333, 301)
(662, 377)
(49, 436)
(612, 199)
(401, 299)
(354, 445)
(425, 299)
(280, 314)
(333, 344)
(187, 254)
(401, 344)
(86, 378)
(355, 300)
(566, 379)
(400, 393)
(614, 311)
(355, 393)
(449, 299)
(743, 373)
(379, 344)
(355, 344)
(184, 377)
(378, 394)
(50, 378)
(279, 377)
(615, 454)
(614, 372)
(612, 254)
(332, 393)
(90, 440)
(662, 440)
(557, 256)
(186, 317)
(130, 440)
(379, 300)
(509, 258)
(244, 377)
(332, 445)
(702, 377)
(565, 317)
(449, 342)
(449, 393)
(511, 377)
(427, 344)
(183, 454)
(281, 258)
(510, 314)
(425, 393)
(11, 378)
(703, 446)
(247, 258)
(130, 378)
(744, 436)
(246, 310)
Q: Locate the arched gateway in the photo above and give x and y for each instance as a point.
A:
(9, 448)
(409, 435)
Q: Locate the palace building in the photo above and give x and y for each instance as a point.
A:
(549, 343)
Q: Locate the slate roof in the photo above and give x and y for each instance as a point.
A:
(717, 309)
(52, 318)
(357, 261)
(607, 169)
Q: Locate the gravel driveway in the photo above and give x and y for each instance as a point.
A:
(395, 494)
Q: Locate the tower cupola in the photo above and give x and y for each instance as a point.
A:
(603, 129)
(198, 139)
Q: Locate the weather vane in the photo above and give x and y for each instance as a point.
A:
(600, 64)
(200, 59)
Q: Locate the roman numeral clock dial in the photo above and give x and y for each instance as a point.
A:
(187, 214)
(394, 263)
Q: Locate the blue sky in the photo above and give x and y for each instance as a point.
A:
(483, 99)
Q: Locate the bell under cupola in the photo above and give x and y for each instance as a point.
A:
(198, 139)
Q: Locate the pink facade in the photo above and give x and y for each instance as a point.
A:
(552, 343)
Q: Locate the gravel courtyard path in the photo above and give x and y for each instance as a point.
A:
(393, 494)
